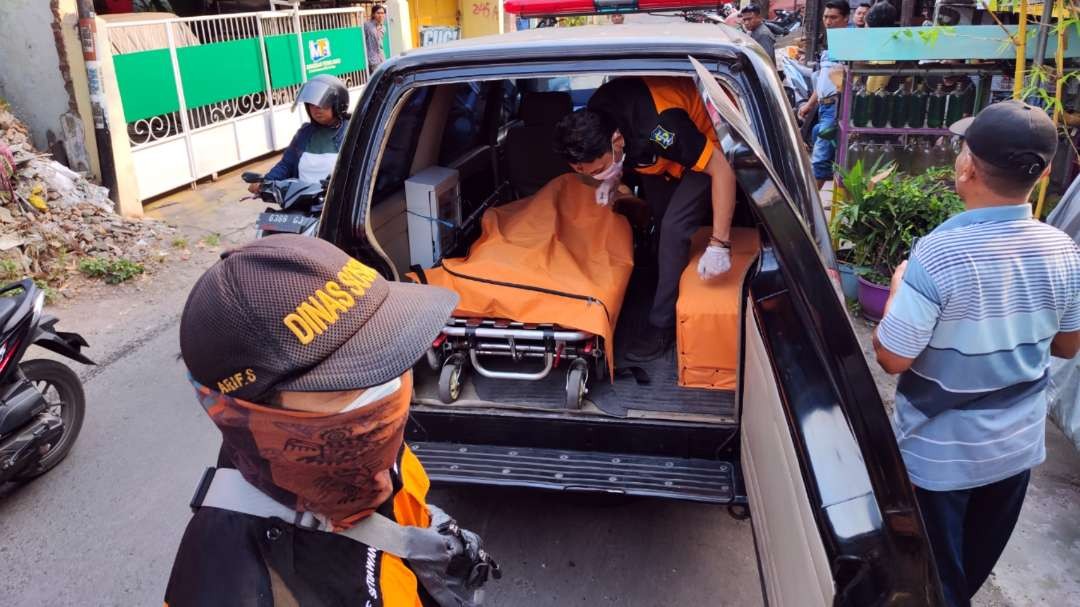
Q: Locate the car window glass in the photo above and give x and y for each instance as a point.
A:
(464, 123)
(401, 147)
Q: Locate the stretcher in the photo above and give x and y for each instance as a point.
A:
(540, 290)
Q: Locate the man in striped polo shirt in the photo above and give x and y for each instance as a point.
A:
(972, 320)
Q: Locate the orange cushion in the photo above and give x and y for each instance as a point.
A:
(707, 314)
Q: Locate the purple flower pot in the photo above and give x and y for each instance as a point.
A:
(872, 298)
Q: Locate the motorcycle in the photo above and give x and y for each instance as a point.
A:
(299, 204)
(784, 22)
(42, 403)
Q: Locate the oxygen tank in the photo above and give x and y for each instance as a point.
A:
(917, 108)
(935, 108)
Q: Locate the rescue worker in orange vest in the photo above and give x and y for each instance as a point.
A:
(659, 128)
(302, 357)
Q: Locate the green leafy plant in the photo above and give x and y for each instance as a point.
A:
(889, 213)
(180, 242)
(212, 240)
(9, 270)
(112, 271)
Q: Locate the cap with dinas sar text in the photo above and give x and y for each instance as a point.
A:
(296, 313)
(1011, 135)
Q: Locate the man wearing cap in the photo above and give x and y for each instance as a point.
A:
(302, 358)
(971, 322)
(754, 26)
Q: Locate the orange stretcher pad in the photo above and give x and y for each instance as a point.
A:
(557, 258)
(707, 315)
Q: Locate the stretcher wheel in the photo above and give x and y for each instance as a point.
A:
(450, 378)
(575, 384)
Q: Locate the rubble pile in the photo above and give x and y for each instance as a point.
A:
(50, 216)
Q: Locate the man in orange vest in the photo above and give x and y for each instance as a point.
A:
(659, 128)
(302, 357)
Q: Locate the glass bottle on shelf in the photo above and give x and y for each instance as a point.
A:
(917, 108)
(854, 154)
(888, 153)
(969, 99)
(860, 108)
(880, 104)
(941, 155)
(920, 157)
(909, 156)
(899, 110)
(954, 105)
(935, 108)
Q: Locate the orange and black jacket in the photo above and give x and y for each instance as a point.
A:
(238, 560)
(663, 121)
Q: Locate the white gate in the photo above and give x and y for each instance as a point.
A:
(191, 92)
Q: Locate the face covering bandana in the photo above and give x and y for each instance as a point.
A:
(336, 465)
(609, 178)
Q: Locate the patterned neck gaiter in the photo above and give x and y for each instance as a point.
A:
(336, 465)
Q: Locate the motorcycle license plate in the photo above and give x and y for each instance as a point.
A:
(290, 223)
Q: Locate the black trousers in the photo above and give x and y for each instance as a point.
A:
(968, 530)
(680, 207)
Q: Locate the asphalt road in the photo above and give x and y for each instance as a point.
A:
(102, 528)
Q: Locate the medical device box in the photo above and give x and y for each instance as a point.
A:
(433, 205)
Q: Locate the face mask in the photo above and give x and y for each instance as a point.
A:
(336, 465)
(609, 178)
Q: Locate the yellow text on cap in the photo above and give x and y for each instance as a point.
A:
(314, 315)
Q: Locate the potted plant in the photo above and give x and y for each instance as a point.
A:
(852, 187)
(883, 223)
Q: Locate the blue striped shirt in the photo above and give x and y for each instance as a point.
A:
(982, 298)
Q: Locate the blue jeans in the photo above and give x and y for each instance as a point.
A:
(968, 530)
(824, 150)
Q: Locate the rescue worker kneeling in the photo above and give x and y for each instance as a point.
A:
(302, 357)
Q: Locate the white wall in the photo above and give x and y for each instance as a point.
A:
(30, 76)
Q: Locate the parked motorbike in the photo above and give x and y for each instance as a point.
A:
(41, 401)
(784, 22)
(299, 204)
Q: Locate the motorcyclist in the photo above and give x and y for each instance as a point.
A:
(313, 150)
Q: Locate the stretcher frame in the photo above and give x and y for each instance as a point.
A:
(463, 341)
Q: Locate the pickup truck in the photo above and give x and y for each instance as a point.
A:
(801, 440)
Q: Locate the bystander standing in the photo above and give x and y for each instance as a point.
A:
(754, 26)
(858, 16)
(827, 83)
(971, 322)
(374, 35)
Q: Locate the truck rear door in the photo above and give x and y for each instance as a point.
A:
(834, 516)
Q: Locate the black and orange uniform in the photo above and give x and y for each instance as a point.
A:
(232, 559)
(669, 141)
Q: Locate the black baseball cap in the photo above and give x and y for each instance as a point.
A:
(1011, 135)
(291, 312)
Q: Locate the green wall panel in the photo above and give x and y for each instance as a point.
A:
(333, 51)
(226, 70)
(219, 71)
(147, 86)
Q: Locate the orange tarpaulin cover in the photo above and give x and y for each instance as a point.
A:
(558, 257)
(707, 313)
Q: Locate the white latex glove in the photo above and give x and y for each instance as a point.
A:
(714, 262)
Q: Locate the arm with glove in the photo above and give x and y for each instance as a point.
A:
(717, 257)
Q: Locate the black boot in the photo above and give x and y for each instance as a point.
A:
(651, 344)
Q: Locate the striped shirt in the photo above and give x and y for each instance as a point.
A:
(983, 296)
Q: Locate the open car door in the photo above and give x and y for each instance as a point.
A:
(834, 516)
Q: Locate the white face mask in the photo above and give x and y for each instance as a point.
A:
(373, 394)
(609, 177)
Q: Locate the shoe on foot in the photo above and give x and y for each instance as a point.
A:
(650, 345)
